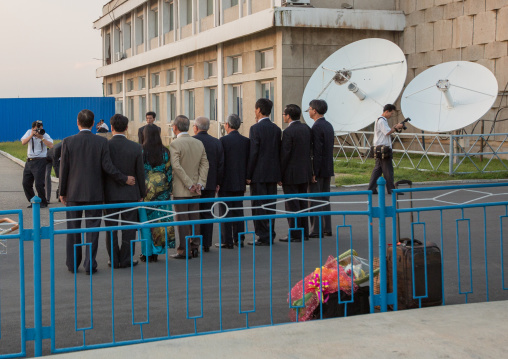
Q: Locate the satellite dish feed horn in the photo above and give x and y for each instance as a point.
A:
(444, 87)
(354, 89)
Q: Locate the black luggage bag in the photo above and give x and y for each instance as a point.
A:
(332, 308)
(405, 251)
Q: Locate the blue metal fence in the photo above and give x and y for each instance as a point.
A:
(251, 287)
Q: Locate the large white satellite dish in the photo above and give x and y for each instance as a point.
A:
(356, 82)
(449, 96)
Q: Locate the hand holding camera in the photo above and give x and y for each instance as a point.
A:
(403, 123)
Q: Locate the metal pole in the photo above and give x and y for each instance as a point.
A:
(450, 165)
(381, 182)
(36, 215)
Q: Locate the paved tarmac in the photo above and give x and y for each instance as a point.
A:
(223, 291)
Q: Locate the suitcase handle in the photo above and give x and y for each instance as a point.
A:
(403, 181)
(407, 242)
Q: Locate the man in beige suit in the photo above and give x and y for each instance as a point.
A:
(190, 169)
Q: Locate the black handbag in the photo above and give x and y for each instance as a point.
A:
(381, 151)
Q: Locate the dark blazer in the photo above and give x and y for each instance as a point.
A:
(322, 147)
(140, 133)
(295, 152)
(236, 156)
(215, 156)
(264, 156)
(85, 157)
(127, 156)
(54, 155)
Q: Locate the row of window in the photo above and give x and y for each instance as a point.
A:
(210, 103)
(233, 64)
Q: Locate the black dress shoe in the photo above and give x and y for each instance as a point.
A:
(195, 253)
(206, 249)
(109, 264)
(306, 238)
(224, 245)
(134, 263)
(142, 258)
(327, 234)
(314, 235)
(44, 204)
(258, 243)
(241, 244)
(179, 256)
(286, 239)
(94, 270)
(30, 206)
(72, 270)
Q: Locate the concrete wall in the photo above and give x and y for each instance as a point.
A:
(356, 4)
(438, 31)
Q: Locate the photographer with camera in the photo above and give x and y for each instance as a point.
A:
(38, 142)
(383, 149)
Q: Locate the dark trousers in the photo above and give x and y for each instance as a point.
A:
(207, 229)
(384, 167)
(297, 205)
(186, 230)
(262, 226)
(49, 166)
(35, 170)
(121, 254)
(231, 230)
(75, 238)
(322, 185)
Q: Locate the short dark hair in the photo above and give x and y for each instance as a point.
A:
(265, 106)
(294, 111)
(119, 122)
(234, 121)
(319, 105)
(34, 124)
(85, 118)
(389, 107)
(182, 123)
(150, 113)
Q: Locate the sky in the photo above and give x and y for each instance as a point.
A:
(49, 47)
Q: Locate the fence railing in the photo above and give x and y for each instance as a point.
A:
(249, 286)
(455, 154)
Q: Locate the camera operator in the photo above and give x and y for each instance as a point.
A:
(38, 142)
(384, 165)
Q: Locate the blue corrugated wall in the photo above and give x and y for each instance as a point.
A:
(59, 114)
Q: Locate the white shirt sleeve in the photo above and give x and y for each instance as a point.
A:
(26, 135)
(46, 137)
(383, 126)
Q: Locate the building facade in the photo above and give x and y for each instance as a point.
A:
(216, 57)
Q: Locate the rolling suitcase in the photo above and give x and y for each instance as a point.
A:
(427, 260)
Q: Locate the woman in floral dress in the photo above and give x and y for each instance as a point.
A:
(158, 179)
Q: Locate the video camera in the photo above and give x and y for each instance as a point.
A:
(38, 127)
(404, 124)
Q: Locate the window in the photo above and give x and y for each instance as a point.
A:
(171, 102)
(155, 80)
(210, 69)
(209, 7)
(189, 104)
(110, 89)
(127, 35)
(119, 107)
(119, 87)
(237, 65)
(130, 84)
(266, 59)
(131, 108)
(141, 83)
(170, 77)
(156, 103)
(142, 108)
(139, 28)
(156, 22)
(234, 2)
(237, 100)
(189, 12)
(267, 91)
(213, 104)
(189, 73)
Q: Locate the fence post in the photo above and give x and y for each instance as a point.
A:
(450, 165)
(36, 215)
(381, 184)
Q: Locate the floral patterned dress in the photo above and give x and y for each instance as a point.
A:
(159, 186)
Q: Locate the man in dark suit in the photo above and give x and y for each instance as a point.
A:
(85, 157)
(236, 156)
(215, 156)
(296, 168)
(150, 119)
(322, 165)
(127, 156)
(263, 171)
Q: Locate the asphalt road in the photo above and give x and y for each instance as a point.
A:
(217, 288)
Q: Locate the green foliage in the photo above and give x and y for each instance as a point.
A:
(17, 150)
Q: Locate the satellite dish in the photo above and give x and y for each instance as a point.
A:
(356, 82)
(449, 96)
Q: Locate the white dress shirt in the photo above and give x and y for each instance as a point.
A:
(36, 148)
(381, 130)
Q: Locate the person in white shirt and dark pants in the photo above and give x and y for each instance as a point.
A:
(38, 142)
(384, 166)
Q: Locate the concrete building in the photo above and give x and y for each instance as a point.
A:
(216, 57)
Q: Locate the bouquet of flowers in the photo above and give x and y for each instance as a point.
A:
(344, 273)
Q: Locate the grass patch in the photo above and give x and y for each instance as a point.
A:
(17, 150)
